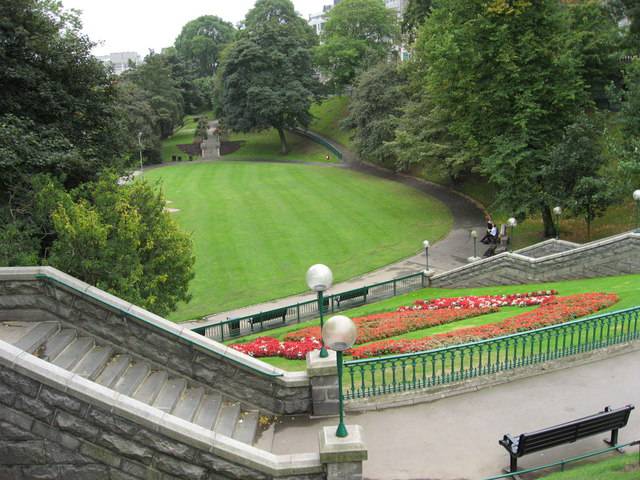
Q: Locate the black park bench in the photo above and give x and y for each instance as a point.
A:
(258, 318)
(358, 292)
(607, 420)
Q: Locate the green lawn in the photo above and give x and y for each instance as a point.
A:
(627, 287)
(328, 117)
(257, 227)
(182, 135)
(619, 467)
(265, 145)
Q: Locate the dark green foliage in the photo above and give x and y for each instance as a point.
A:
(374, 110)
(201, 42)
(416, 13)
(591, 198)
(358, 34)
(51, 86)
(267, 76)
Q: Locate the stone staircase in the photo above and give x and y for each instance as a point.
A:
(103, 364)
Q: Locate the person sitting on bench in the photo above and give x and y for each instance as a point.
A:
(492, 234)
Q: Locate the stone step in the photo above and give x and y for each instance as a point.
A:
(93, 362)
(188, 403)
(149, 389)
(131, 379)
(11, 332)
(112, 371)
(56, 344)
(208, 411)
(227, 418)
(170, 393)
(75, 352)
(35, 337)
(246, 427)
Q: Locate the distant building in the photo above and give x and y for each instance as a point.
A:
(120, 60)
(317, 20)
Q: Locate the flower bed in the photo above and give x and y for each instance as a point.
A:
(559, 310)
(484, 301)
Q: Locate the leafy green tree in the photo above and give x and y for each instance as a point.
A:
(591, 198)
(51, 84)
(374, 110)
(119, 238)
(358, 34)
(506, 80)
(414, 16)
(267, 76)
(201, 42)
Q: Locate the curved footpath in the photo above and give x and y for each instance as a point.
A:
(448, 253)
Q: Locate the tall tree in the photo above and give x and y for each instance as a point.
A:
(201, 42)
(415, 14)
(267, 77)
(358, 34)
(507, 79)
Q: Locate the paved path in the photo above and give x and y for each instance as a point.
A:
(457, 437)
(211, 143)
(450, 252)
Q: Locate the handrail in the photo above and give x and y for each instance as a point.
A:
(491, 340)
(564, 461)
(43, 276)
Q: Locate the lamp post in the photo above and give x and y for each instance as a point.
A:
(140, 150)
(319, 279)
(512, 222)
(339, 334)
(636, 197)
(425, 244)
(557, 211)
(474, 235)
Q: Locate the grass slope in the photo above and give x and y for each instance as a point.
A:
(328, 117)
(627, 287)
(182, 135)
(619, 467)
(257, 227)
(265, 145)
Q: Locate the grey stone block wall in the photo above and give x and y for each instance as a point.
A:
(612, 256)
(46, 433)
(548, 247)
(167, 347)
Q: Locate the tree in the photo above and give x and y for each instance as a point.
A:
(374, 111)
(52, 84)
(506, 79)
(201, 42)
(414, 16)
(358, 34)
(267, 76)
(591, 198)
(119, 238)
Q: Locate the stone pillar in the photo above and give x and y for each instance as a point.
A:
(323, 377)
(426, 276)
(343, 457)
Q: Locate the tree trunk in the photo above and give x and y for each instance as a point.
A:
(549, 225)
(283, 142)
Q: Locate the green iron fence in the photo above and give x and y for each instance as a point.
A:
(421, 370)
(260, 321)
(318, 139)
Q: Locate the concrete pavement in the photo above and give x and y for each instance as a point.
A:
(457, 437)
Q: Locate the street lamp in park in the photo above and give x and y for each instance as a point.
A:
(474, 235)
(339, 334)
(512, 222)
(425, 244)
(319, 279)
(636, 197)
(557, 211)
(140, 150)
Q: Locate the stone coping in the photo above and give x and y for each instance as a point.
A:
(549, 242)
(155, 419)
(525, 259)
(204, 344)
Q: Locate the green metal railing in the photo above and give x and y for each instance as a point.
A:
(422, 370)
(563, 462)
(238, 327)
(318, 139)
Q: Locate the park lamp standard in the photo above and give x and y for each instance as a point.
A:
(636, 197)
(557, 211)
(339, 334)
(512, 222)
(474, 235)
(425, 244)
(319, 279)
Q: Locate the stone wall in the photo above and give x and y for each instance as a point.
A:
(548, 247)
(56, 425)
(43, 293)
(617, 255)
